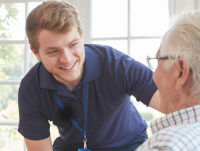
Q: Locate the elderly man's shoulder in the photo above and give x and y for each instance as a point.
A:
(174, 138)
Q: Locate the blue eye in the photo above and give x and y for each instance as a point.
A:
(52, 52)
(73, 45)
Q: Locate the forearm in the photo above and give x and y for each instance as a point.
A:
(39, 145)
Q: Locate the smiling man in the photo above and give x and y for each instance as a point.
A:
(84, 89)
(177, 77)
(62, 55)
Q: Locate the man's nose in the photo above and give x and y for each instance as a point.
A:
(66, 56)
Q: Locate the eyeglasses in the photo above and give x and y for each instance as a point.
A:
(153, 61)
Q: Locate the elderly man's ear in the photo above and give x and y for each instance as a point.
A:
(182, 69)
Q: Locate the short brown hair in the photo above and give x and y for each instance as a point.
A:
(58, 16)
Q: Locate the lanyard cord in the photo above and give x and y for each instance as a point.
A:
(85, 107)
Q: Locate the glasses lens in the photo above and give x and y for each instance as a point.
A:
(152, 62)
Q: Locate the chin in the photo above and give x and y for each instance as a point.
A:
(71, 78)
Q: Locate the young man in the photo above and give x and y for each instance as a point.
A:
(84, 89)
(178, 80)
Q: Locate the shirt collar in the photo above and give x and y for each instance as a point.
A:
(46, 80)
(92, 70)
(92, 67)
(183, 116)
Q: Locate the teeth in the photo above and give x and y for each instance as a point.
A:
(68, 67)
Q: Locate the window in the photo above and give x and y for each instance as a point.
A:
(12, 69)
(134, 27)
(15, 61)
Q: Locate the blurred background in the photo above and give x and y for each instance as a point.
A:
(134, 27)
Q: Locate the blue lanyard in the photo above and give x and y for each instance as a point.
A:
(85, 107)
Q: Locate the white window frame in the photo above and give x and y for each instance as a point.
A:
(84, 9)
(85, 12)
(26, 54)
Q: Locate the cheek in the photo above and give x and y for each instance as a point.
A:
(80, 53)
(160, 81)
(155, 77)
(49, 61)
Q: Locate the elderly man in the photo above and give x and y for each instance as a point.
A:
(177, 77)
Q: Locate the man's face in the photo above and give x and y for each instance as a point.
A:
(166, 86)
(63, 55)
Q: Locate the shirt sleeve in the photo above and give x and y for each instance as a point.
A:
(136, 79)
(32, 125)
(146, 147)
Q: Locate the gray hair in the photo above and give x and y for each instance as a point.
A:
(183, 40)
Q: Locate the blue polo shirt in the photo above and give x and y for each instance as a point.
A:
(112, 119)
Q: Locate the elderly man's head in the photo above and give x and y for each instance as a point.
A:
(178, 77)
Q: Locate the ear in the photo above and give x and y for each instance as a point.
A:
(82, 33)
(182, 69)
(36, 54)
(82, 36)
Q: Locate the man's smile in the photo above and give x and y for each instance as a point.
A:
(69, 67)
